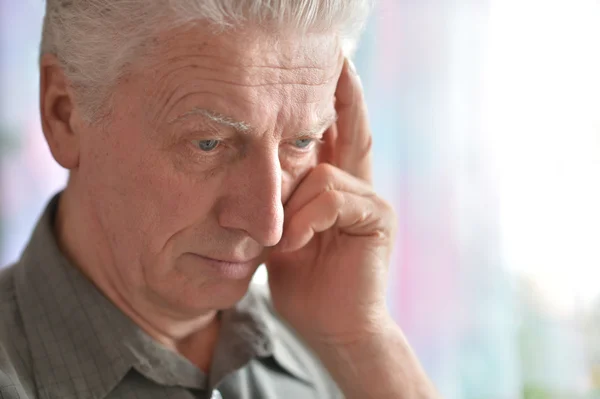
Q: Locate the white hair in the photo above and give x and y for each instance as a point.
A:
(95, 40)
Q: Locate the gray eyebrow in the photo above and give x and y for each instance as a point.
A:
(215, 117)
(242, 126)
(321, 126)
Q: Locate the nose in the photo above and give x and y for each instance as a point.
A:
(252, 202)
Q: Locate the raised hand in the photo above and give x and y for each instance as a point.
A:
(328, 273)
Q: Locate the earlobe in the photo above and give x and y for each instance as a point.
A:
(58, 113)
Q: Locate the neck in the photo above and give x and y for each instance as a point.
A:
(81, 240)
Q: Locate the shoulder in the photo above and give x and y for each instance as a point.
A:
(291, 348)
(7, 288)
(9, 311)
(15, 360)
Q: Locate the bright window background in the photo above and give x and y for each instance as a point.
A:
(487, 139)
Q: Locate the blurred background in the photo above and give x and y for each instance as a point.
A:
(486, 116)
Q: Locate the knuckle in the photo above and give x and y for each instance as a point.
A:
(324, 174)
(385, 209)
(334, 198)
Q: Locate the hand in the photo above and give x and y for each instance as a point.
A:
(328, 274)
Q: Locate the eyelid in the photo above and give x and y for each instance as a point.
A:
(316, 143)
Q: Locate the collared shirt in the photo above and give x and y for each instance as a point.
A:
(61, 338)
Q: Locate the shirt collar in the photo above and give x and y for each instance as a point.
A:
(253, 329)
(71, 326)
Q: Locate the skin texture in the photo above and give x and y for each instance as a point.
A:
(147, 205)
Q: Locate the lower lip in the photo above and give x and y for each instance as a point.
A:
(234, 271)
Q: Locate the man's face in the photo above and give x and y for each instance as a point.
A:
(206, 142)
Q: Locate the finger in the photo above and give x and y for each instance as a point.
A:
(354, 141)
(322, 178)
(327, 148)
(351, 213)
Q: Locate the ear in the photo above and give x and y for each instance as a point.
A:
(58, 113)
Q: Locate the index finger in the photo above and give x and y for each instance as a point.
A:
(353, 142)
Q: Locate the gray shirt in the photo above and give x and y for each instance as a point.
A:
(61, 338)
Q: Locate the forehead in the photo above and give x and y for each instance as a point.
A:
(248, 72)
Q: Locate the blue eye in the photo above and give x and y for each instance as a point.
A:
(206, 145)
(303, 143)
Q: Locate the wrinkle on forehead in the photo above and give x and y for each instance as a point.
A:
(248, 71)
(248, 57)
(255, 46)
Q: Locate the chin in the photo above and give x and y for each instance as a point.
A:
(213, 294)
(229, 294)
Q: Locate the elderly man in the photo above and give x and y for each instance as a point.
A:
(204, 138)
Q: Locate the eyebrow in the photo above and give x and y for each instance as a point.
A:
(321, 126)
(245, 127)
(216, 117)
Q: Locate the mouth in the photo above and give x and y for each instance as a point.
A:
(235, 269)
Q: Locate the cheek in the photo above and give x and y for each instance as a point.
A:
(176, 200)
(141, 196)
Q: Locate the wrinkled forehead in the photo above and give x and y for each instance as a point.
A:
(245, 68)
(253, 45)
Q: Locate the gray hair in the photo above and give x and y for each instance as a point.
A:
(94, 40)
